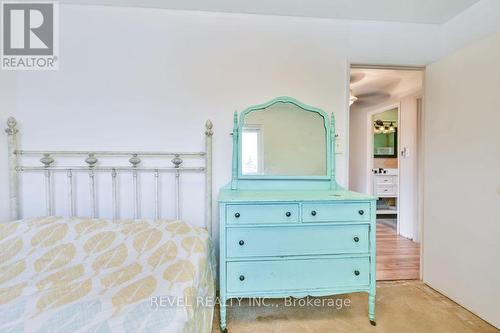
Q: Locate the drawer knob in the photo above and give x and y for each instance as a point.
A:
(361, 212)
(355, 273)
(288, 214)
(237, 215)
(313, 213)
(241, 242)
(356, 239)
(242, 277)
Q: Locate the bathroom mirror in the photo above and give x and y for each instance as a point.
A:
(283, 138)
(385, 139)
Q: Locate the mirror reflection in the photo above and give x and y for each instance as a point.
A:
(385, 134)
(283, 140)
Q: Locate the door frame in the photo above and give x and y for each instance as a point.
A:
(420, 139)
(369, 149)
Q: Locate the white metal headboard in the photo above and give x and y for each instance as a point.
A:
(91, 167)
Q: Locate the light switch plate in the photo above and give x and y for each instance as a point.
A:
(339, 146)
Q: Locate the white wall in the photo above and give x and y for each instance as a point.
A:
(358, 166)
(462, 180)
(478, 21)
(133, 78)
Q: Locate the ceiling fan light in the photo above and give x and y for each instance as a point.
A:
(352, 98)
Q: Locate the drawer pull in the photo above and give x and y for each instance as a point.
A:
(313, 213)
(361, 212)
(242, 277)
(356, 239)
(237, 215)
(241, 242)
(288, 214)
(355, 273)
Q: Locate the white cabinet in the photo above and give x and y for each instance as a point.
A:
(385, 186)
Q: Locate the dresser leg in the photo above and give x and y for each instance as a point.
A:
(371, 308)
(223, 327)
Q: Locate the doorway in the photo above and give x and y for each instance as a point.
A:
(385, 106)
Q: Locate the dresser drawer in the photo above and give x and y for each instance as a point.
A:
(258, 214)
(386, 179)
(385, 190)
(336, 212)
(297, 240)
(297, 274)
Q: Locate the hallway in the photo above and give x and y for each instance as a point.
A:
(398, 258)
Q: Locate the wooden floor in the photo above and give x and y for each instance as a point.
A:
(398, 258)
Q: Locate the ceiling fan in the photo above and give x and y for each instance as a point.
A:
(371, 91)
(371, 98)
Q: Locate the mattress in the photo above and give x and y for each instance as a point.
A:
(60, 274)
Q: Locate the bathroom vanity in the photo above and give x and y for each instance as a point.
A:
(286, 227)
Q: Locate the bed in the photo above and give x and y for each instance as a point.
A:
(105, 274)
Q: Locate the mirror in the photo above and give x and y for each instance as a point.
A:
(385, 139)
(283, 139)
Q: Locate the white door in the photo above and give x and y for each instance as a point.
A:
(408, 168)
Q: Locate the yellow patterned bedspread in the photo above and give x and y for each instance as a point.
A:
(61, 274)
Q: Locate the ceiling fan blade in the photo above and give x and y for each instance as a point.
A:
(356, 77)
(375, 94)
(371, 99)
(360, 103)
(371, 84)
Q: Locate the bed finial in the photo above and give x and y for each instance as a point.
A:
(208, 127)
(11, 126)
(91, 160)
(135, 160)
(47, 160)
(177, 161)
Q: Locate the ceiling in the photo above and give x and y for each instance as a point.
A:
(373, 87)
(412, 11)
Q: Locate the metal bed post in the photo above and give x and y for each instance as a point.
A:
(208, 175)
(91, 160)
(114, 195)
(177, 161)
(47, 161)
(11, 131)
(135, 161)
(71, 205)
(157, 194)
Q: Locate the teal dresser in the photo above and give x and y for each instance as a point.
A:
(286, 227)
